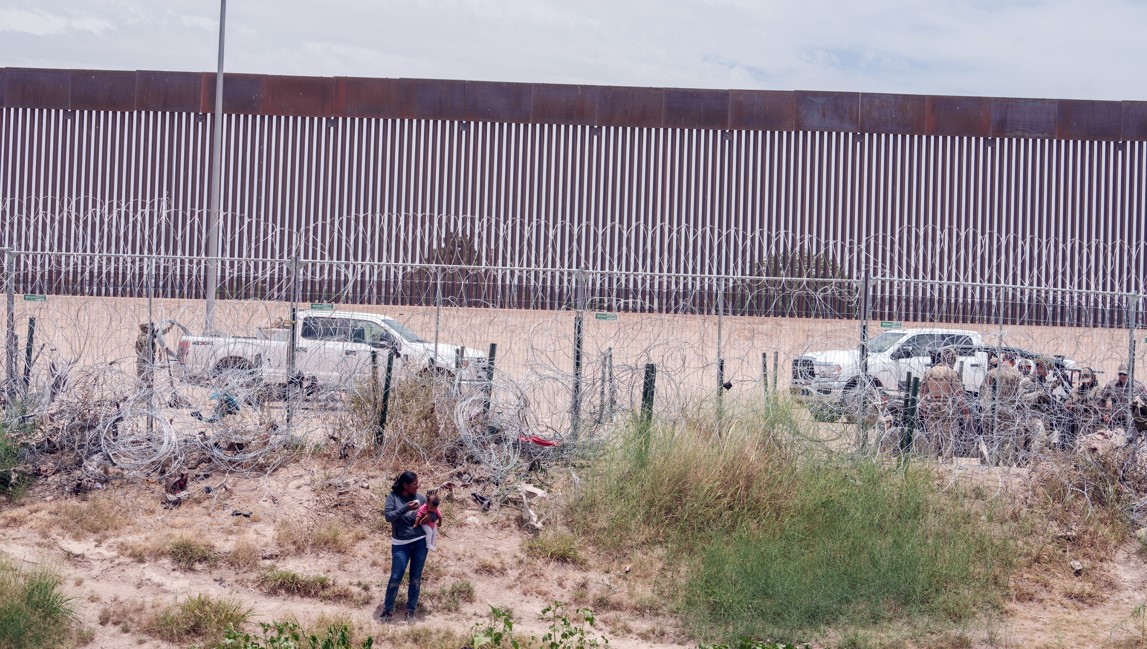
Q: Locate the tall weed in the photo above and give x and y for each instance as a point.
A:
(766, 538)
(34, 612)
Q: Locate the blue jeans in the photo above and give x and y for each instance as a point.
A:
(413, 554)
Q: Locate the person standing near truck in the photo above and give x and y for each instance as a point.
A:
(942, 405)
(146, 349)
(1038, 404)
(999, 399)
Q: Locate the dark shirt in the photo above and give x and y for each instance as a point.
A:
(401, 519)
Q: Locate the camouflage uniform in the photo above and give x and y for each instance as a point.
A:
(1114, 399)
(1084, 407)
(999, 400)
(942, 405)
(1038, 408)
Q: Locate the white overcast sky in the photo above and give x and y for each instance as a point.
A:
(1085, 49)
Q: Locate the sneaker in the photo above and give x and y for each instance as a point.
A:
(384, 617)
(409, 617)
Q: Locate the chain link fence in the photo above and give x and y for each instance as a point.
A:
(113, 352)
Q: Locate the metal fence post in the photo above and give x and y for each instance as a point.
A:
(28, 348)
(1132, 317)
(776, 366)
(648, 387)
(765, 373)
(579, 334)
(437, 310)
(384, 409)
(865, 381)
(293, 341)
(489, 381)
(718, 413)
(10, 342)
(612, 384)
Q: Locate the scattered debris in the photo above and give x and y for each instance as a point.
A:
(1076, 567)
(482, 501)
(244, 514)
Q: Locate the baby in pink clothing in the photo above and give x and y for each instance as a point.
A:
(429, 518)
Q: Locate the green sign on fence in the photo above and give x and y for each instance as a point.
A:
(605, 316)
(31, 297)
(322, 307)
(891, 324)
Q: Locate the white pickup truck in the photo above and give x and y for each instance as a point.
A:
(332, 349)
(832, 377)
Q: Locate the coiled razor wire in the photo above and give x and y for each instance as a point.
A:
(490, 420)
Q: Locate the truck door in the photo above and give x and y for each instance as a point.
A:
(914, 355)
(322, 342)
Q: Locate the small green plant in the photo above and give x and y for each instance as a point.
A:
(33, 611)
(498, 632)
(201, 618)
(12, 481)
(561, 631)
(288, 635)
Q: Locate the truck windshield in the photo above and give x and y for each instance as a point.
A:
(884, 341)
(407, 335)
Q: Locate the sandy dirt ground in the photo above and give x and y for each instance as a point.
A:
(483, 548)
(112, 578)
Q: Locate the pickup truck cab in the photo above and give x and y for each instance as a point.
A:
(332, 349)
(831, 377)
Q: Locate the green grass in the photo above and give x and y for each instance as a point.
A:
(450, 598)
(186, 554)
(766, 538)
(554, 546)
(276, 581)
(33, 611)
(12, 483)
(202, 618)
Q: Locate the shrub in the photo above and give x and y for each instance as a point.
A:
(33, 611)
(450, 598)
(276, 581)
(200, 618)
(554, 546)
(12, 483)
(186, 553)
(764, 540)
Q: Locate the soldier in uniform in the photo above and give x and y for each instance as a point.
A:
(1083, 408)
(999, 399)
(1039, 406)
(942, 404)
(146, 350)
(1118, 395)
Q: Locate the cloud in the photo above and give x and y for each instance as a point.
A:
(1041, 48)
(43, 23)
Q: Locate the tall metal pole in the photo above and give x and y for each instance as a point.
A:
(1132, 319)
(10, 342)
(215, 199)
